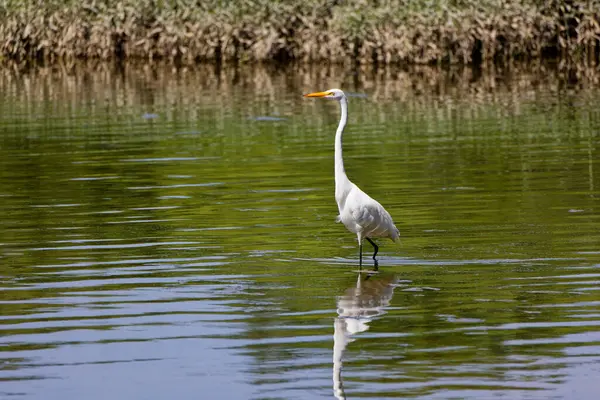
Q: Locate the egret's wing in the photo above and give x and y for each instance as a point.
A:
(367, 215)
(372, 218)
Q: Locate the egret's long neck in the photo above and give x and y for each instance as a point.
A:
(342, 183)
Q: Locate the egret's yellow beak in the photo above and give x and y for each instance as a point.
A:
(318, 94)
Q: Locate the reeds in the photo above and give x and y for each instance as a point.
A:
(363, 31)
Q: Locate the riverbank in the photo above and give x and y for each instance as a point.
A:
(363, 31)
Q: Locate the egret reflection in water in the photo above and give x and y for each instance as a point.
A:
(356, 309)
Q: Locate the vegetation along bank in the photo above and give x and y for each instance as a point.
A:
(364, 31)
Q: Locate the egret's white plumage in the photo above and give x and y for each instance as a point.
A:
(360, 213)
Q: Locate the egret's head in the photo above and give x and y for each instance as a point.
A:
(334, 94)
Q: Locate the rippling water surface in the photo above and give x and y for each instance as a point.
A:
(170, 234)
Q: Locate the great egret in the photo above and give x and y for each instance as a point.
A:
(360, 213)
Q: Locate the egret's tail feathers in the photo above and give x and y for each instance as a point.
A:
(396, 235)
(338, 218)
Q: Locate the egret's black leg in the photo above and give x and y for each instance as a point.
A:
(360, 256)
(376, 248)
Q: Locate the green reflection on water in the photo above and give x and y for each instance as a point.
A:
(151, 204)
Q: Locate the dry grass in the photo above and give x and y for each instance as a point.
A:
(364, 31)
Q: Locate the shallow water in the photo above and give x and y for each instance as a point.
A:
(170, 234)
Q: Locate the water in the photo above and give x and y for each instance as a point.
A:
(170, 234)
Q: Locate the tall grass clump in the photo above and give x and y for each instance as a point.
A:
(365, 31)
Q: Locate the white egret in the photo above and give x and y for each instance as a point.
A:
(360, 213)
